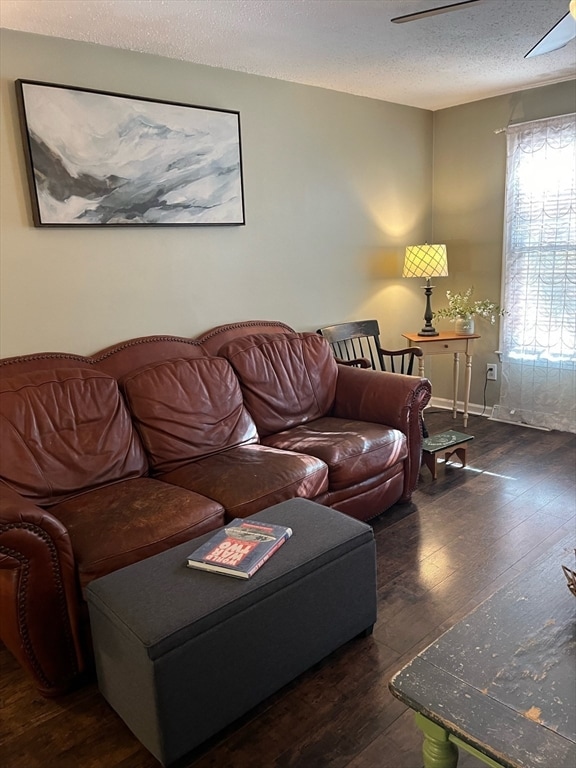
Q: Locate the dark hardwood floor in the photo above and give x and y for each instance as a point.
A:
(465, 535)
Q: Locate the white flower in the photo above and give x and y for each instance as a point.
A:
(460, 305)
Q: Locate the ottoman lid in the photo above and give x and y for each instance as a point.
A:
(163, 603)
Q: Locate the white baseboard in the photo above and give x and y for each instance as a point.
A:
(446, 405)
(476, 410)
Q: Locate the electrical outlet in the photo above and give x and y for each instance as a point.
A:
(491, 371)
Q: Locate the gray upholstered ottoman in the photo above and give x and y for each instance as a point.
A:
(181, 653)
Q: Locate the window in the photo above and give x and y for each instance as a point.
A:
(538, 336)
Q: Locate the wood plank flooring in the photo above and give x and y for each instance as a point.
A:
(463, 536)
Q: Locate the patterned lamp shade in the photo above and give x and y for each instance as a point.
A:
(425, 261)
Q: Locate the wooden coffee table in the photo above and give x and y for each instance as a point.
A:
(501, 683)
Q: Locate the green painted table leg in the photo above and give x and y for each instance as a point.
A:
(437, 750)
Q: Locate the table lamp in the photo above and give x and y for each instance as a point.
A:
(426, 261)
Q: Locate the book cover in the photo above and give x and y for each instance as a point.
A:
(239, 549)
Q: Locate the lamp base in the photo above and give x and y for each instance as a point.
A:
(428, 329)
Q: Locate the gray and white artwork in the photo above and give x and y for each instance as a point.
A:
(98, 158)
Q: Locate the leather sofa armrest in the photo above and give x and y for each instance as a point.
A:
(391, 399)
(39, 596)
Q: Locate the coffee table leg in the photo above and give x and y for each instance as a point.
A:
(437, 750)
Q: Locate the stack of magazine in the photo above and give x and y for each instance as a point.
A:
(239, 549)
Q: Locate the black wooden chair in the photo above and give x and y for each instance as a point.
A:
(358, 344)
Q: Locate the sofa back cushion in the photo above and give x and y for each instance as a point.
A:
(63, 432)
(286, 379)
(186, 409)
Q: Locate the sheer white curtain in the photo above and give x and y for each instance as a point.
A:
(539, 276)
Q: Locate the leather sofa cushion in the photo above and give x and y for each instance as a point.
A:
(354, 451)
(286, 379)
(65, 431)
(249, 478)
(185, 409)
(123, 523)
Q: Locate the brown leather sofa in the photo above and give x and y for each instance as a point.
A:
(108, 459)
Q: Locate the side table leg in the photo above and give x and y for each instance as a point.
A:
(467, 379)
(437, 750)
(455, 377)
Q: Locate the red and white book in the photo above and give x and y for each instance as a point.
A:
(239, 549)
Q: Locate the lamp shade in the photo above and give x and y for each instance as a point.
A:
(573, 8)
(425, 261)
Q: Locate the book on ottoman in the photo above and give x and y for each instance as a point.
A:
(239, 549)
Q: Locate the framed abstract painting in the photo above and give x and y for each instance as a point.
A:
(105, 159)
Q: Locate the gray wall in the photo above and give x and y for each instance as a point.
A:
(334, 186)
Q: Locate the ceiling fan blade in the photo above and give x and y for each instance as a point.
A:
(560, 34)
(433, 11)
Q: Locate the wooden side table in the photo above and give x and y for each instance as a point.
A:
(443, 344)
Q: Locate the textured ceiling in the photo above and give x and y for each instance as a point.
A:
(346, 45)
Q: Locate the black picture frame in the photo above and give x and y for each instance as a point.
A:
(96, 158)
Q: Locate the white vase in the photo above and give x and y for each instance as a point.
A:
(464, 326)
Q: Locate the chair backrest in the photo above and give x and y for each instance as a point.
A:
(358, 343)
